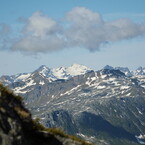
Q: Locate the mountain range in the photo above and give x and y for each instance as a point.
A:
(106, 107)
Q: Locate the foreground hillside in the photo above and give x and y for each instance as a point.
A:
(18, 128)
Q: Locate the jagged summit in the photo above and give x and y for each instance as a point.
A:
(42, 67)
(108, 67)
(43, 70)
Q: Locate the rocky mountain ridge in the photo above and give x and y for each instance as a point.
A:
(47, 73)
(65, 73)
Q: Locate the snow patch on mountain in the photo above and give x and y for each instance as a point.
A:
(41, 83)
(22, 77)
(124, 87)
(71, 91)
(20, 90)
(140, 139)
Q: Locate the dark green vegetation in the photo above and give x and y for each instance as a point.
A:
(18, 128)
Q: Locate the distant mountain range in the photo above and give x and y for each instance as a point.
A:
(106, 107)
(65, 73)
(47, 73)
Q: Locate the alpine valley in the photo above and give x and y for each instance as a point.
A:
(105, 107)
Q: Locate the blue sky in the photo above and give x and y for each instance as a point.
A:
(76, 31)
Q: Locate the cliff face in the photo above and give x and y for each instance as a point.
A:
(18, 128)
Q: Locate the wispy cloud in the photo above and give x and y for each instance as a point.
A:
(5, 39)
(81, 27)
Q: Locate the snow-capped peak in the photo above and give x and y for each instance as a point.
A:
(77, 69)
(43, 70)
(73, 70)
(60, 73)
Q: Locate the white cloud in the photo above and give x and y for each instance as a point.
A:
(5, 40)
(40, 25)
(85, 29)
(40, 34)
(88, 29)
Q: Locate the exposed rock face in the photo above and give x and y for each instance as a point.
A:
(18, 128)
